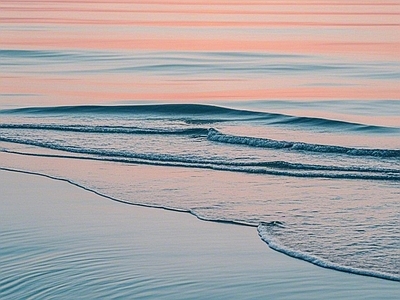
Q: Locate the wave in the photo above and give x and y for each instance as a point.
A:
(216, 136)
(201, 113)
(170, 109)
(275, 168)
(107, 129)
(327, 123)
(264, 233)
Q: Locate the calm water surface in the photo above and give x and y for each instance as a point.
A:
(284, 116)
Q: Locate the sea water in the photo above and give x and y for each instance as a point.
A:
(248, 114)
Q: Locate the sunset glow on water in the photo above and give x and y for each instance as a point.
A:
(314, 50)
(279, 115)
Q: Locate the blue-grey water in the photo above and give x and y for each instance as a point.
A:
(322, 190)
(284, 116)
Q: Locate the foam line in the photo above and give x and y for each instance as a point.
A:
(268, 240)
(216, 136)
(107, 129)
(179, 210)
(273, 244)
(171, 161)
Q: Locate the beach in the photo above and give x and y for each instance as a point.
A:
(199, 149)
(62, 241)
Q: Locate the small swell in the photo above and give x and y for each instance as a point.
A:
(162, 109)
(276, 168)
(216, 136)
(315, 122)
(193, 113)
(263, 232)
(107, 129)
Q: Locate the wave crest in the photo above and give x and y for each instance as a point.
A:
(216, 136)
(201, 113)
(108, 129)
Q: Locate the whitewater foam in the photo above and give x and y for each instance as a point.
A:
(215, 135)
(274, 244)
(266, 168)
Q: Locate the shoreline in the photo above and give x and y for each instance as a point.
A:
(269, 243)
(235, 263)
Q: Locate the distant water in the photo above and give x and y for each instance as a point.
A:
(286, 117)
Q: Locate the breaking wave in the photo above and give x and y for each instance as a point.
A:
(276, 168)
(107, 129)
(215, 135)
(273, 243)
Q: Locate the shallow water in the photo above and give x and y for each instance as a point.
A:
(56, 246)
(295, 130)
(335, 204)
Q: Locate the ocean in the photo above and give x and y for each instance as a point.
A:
(280, 116)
